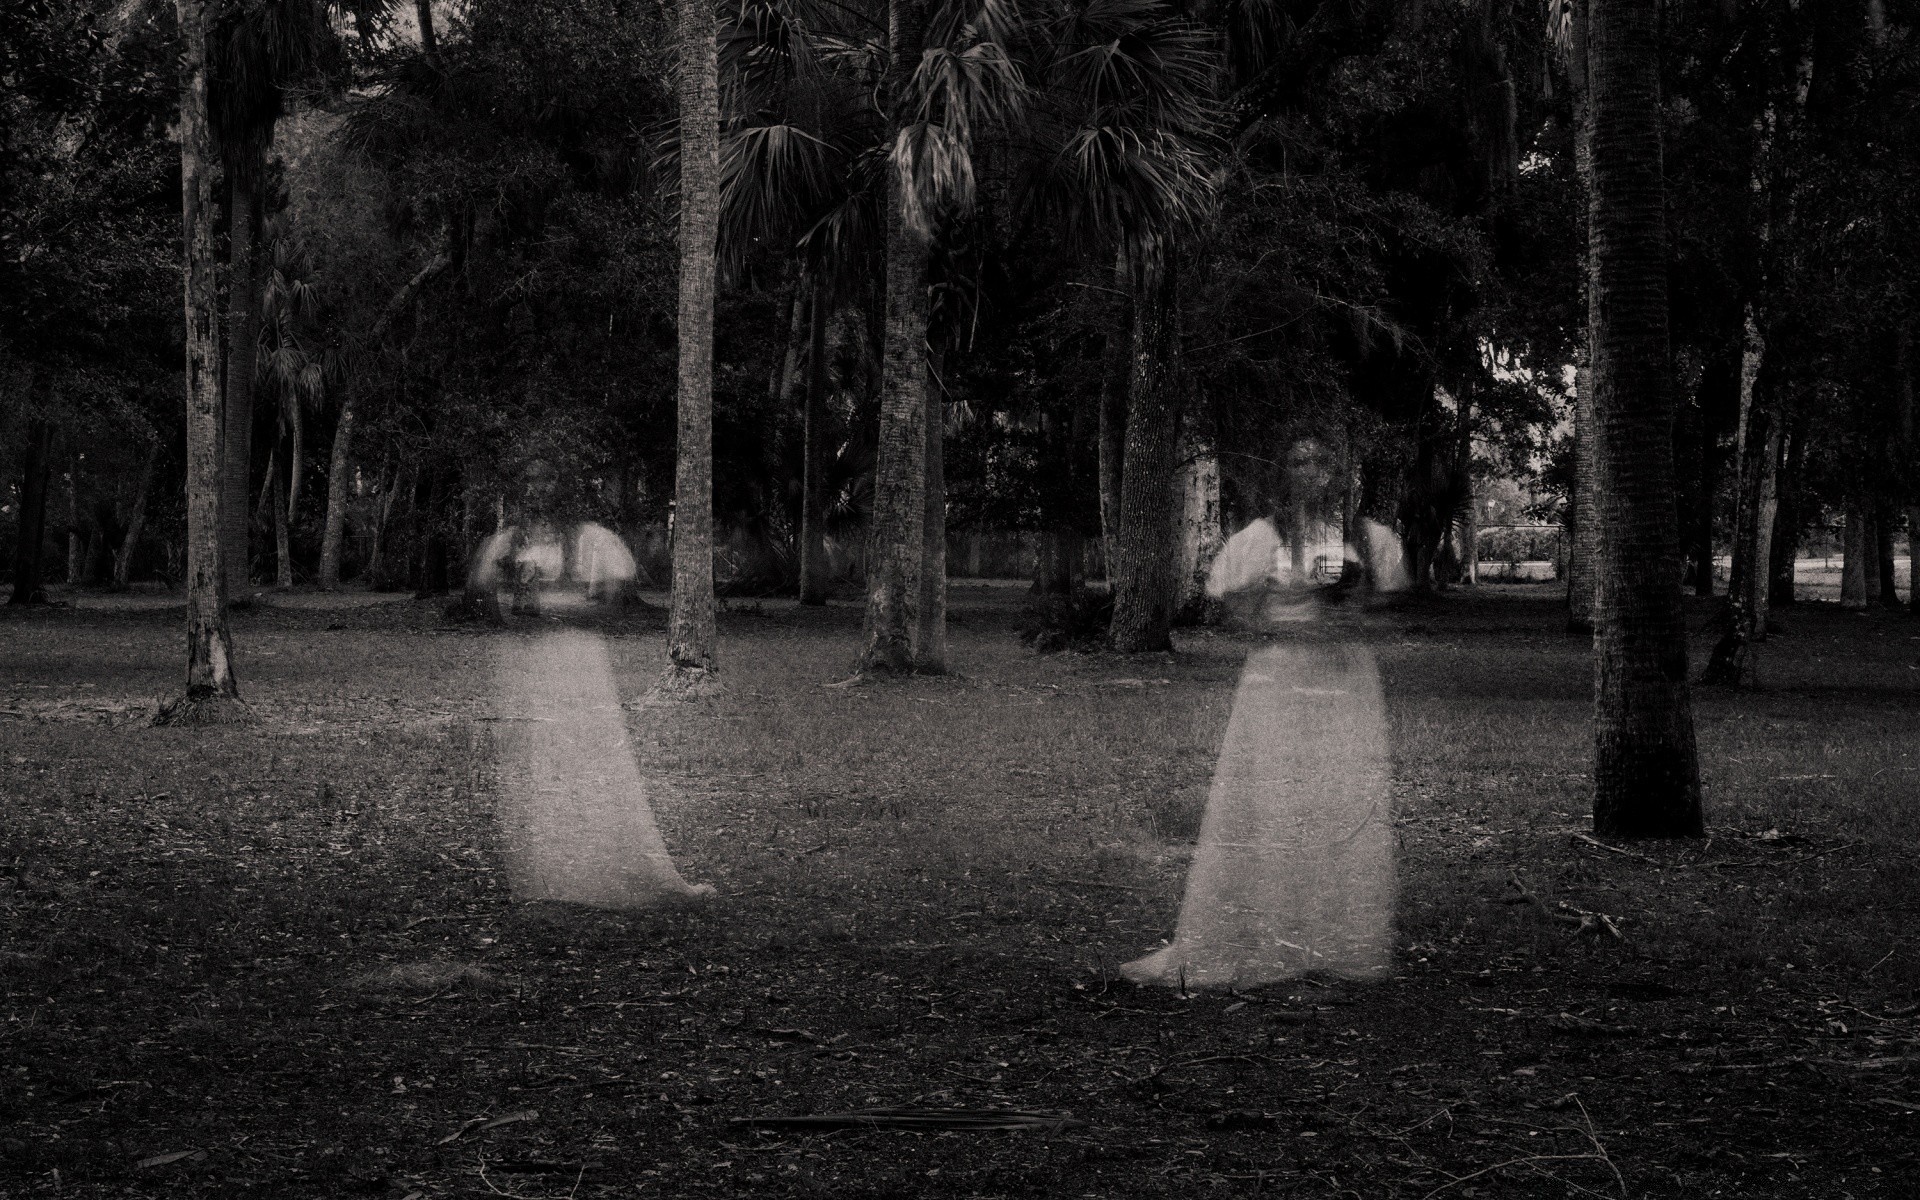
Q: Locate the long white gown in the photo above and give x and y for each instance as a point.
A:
(1294, 869)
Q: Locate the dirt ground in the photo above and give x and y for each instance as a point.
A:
(283, 959)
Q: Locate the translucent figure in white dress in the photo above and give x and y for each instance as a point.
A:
(573, 806)
(1294, 868)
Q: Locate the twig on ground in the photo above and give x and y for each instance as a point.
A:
(1093, 883)
(1597, 844)
(1581, 920)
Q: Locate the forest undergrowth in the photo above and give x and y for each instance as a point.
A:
(283, 959)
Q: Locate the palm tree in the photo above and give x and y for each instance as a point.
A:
(1122, 126)
(691, 621)
(254, 51)
(1567, 22)
(1646, 771)
(212, 693)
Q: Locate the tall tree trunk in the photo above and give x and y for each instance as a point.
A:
(1201, 533)
(1855, 550)
(1468, 523)
(930, 640)
(1646, 770)
(1790, 498)
(1586, 500)
(76, 541)
(296, 457)
(1146, 551)
(1889, 589)
(429, 39)
(691, 618)
(376, 559)
(212, 693)
(242, 334)
(30, 539)
(1870, 552)
(813, 453)
(1583, 514)
(339, 467)
(1750, 582)
(896, 540)
(1117, 370)
(136, 521)
(282, 487)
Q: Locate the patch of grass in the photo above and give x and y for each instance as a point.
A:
(271, 946)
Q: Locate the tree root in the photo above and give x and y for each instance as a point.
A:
(212, 708)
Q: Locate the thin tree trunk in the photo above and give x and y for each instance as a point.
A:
(136, 522)
(1583, 513)
(76, 544)
(1789, 495)
(297, 458)
(212, 693)
(429, 40)
(1889, 589)
(1750, 582)
(376, 560)
(930, 640)
(1586, 500)
(896, 540)
(242, 329)
(1855, 550)
(1146, 550)
(1646, 770)
(30, 539)
(1116, 372)
(813, 453)
(691, 618)
(1468, 524)
(1870, 553)
(282, 487)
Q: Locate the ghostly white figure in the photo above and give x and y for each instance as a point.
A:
(1387, 557)
(1294, 870)
(573, 808)
(490, 562)
(601, 559)
(1248, 560)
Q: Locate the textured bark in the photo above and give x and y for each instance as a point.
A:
(242, 329)
(1117, 370)
(1646, 772)
(339, 467)
(930, 639)
(1790, 497)
(1146, 550)
(281, 485)
(30, 537)
(1583, 515)
(212, 691)
(76, 541)
(1888, 592)
(895, 547)
(1468, 525)
(813, 453)
(1201, 532)
(691, 619)
(1749, 586)
(1583, 510)
(1855, 550)
(1870, 553)
(136, 521)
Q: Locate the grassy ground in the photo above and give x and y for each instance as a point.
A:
(282, 960)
